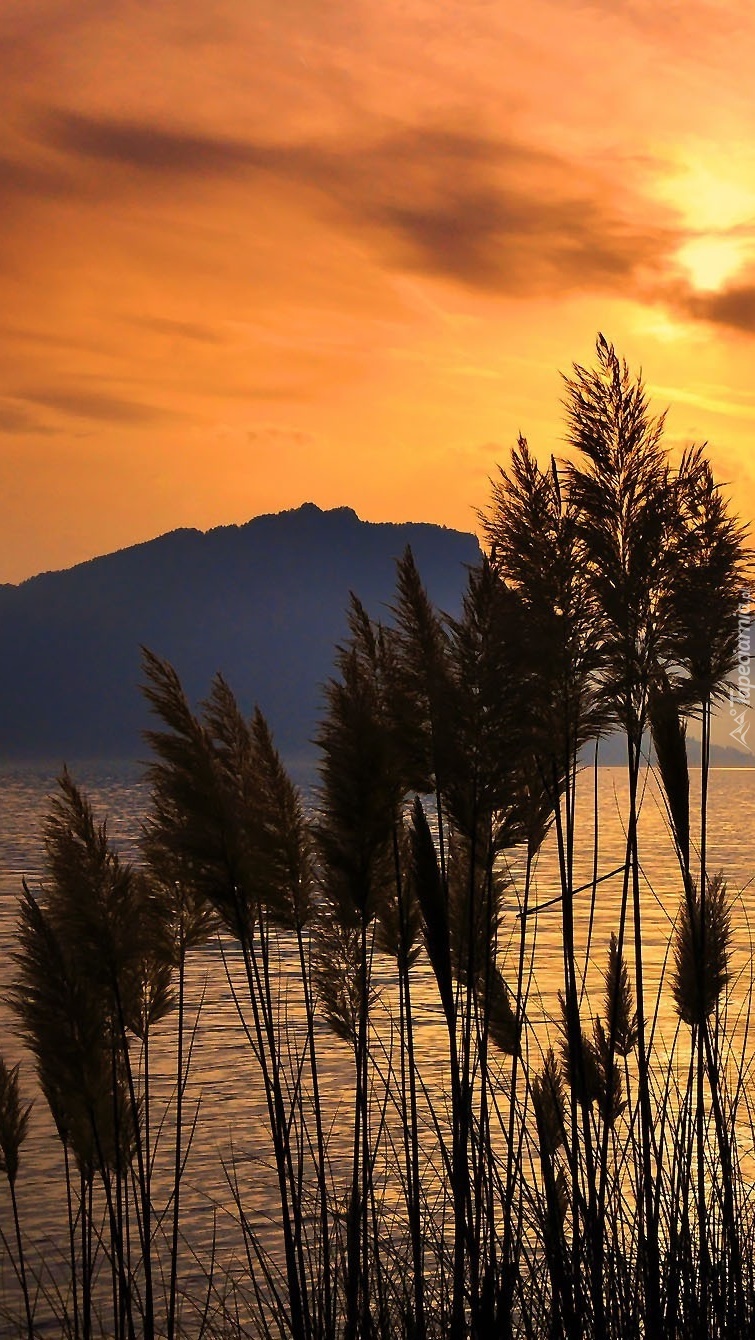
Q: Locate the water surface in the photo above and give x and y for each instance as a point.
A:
(231, 1126)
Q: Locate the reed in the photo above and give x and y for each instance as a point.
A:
(14, 1121)
(591, 1183)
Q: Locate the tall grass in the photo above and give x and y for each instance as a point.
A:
(590, 1186)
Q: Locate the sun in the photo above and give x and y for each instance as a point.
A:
(715, 203)
(711, 260)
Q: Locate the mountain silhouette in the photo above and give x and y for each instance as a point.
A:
(263, 603)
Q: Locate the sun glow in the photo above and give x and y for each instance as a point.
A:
(710, 261)
(711, 202)
(716, 210)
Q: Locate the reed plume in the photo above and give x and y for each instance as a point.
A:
(337, 978)
(582, 1070)
(702, 952)
(621, 1015)
(548, 1102)
(63, 1025)
(711, 585)
(14, 1121)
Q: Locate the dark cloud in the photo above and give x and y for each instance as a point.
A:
(732, 306)
(489, 213)
(521, 244)
(151, 148)
(45, 338)
(498, 216)
(17, 175)
(21, 178)
(96, 405)
(16, 419)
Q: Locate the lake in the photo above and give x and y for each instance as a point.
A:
(231, 1113)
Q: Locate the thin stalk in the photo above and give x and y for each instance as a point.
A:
(379, 1285)
(21, 1259)
(144, 1209)
(461, 1187)
(410, 1127)
(354, 1211)
(276, 1116)
(148, 1158)
(123, 1317)
(87, 1263)
(366, 1180)
(328, 1301)
(457, 1197)
(595, 877)
(649, 1238)
(294, 1183)
(702, 1209)
(484, 1220)
(181, 1079)
(357, 1262)
(564, 821)
(707, 1058)
(71, 1240)
(262, 1011)
(511, 1163)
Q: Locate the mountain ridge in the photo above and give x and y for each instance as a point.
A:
(307, 509)
(263, 602)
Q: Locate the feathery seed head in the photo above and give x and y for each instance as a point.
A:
(14, 1121)
(702, 949)
(548, 1102)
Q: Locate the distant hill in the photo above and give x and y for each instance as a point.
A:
(613, 753)
(264, 603)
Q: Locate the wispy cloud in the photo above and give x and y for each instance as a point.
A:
(144, 145)
(732, 306)
(17, 419)
(19, 176)
(96, 405)
(181, 330)
(489, 213)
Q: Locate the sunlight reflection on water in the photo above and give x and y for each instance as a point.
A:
(231, 1125)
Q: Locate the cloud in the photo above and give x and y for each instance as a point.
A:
(497, 215)
(96, 405)
(184, 330)
(16, 419)
(139, 144)
(489, 213)
(19, 177)
(732, 306)
(522, 244)
(690, 27)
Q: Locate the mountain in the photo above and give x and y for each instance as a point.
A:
(613, 753)
(264, 603)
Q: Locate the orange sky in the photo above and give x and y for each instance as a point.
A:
(262, 251)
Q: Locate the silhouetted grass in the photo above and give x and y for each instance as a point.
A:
(593, 1186)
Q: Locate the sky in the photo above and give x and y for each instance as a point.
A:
(262, 252)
